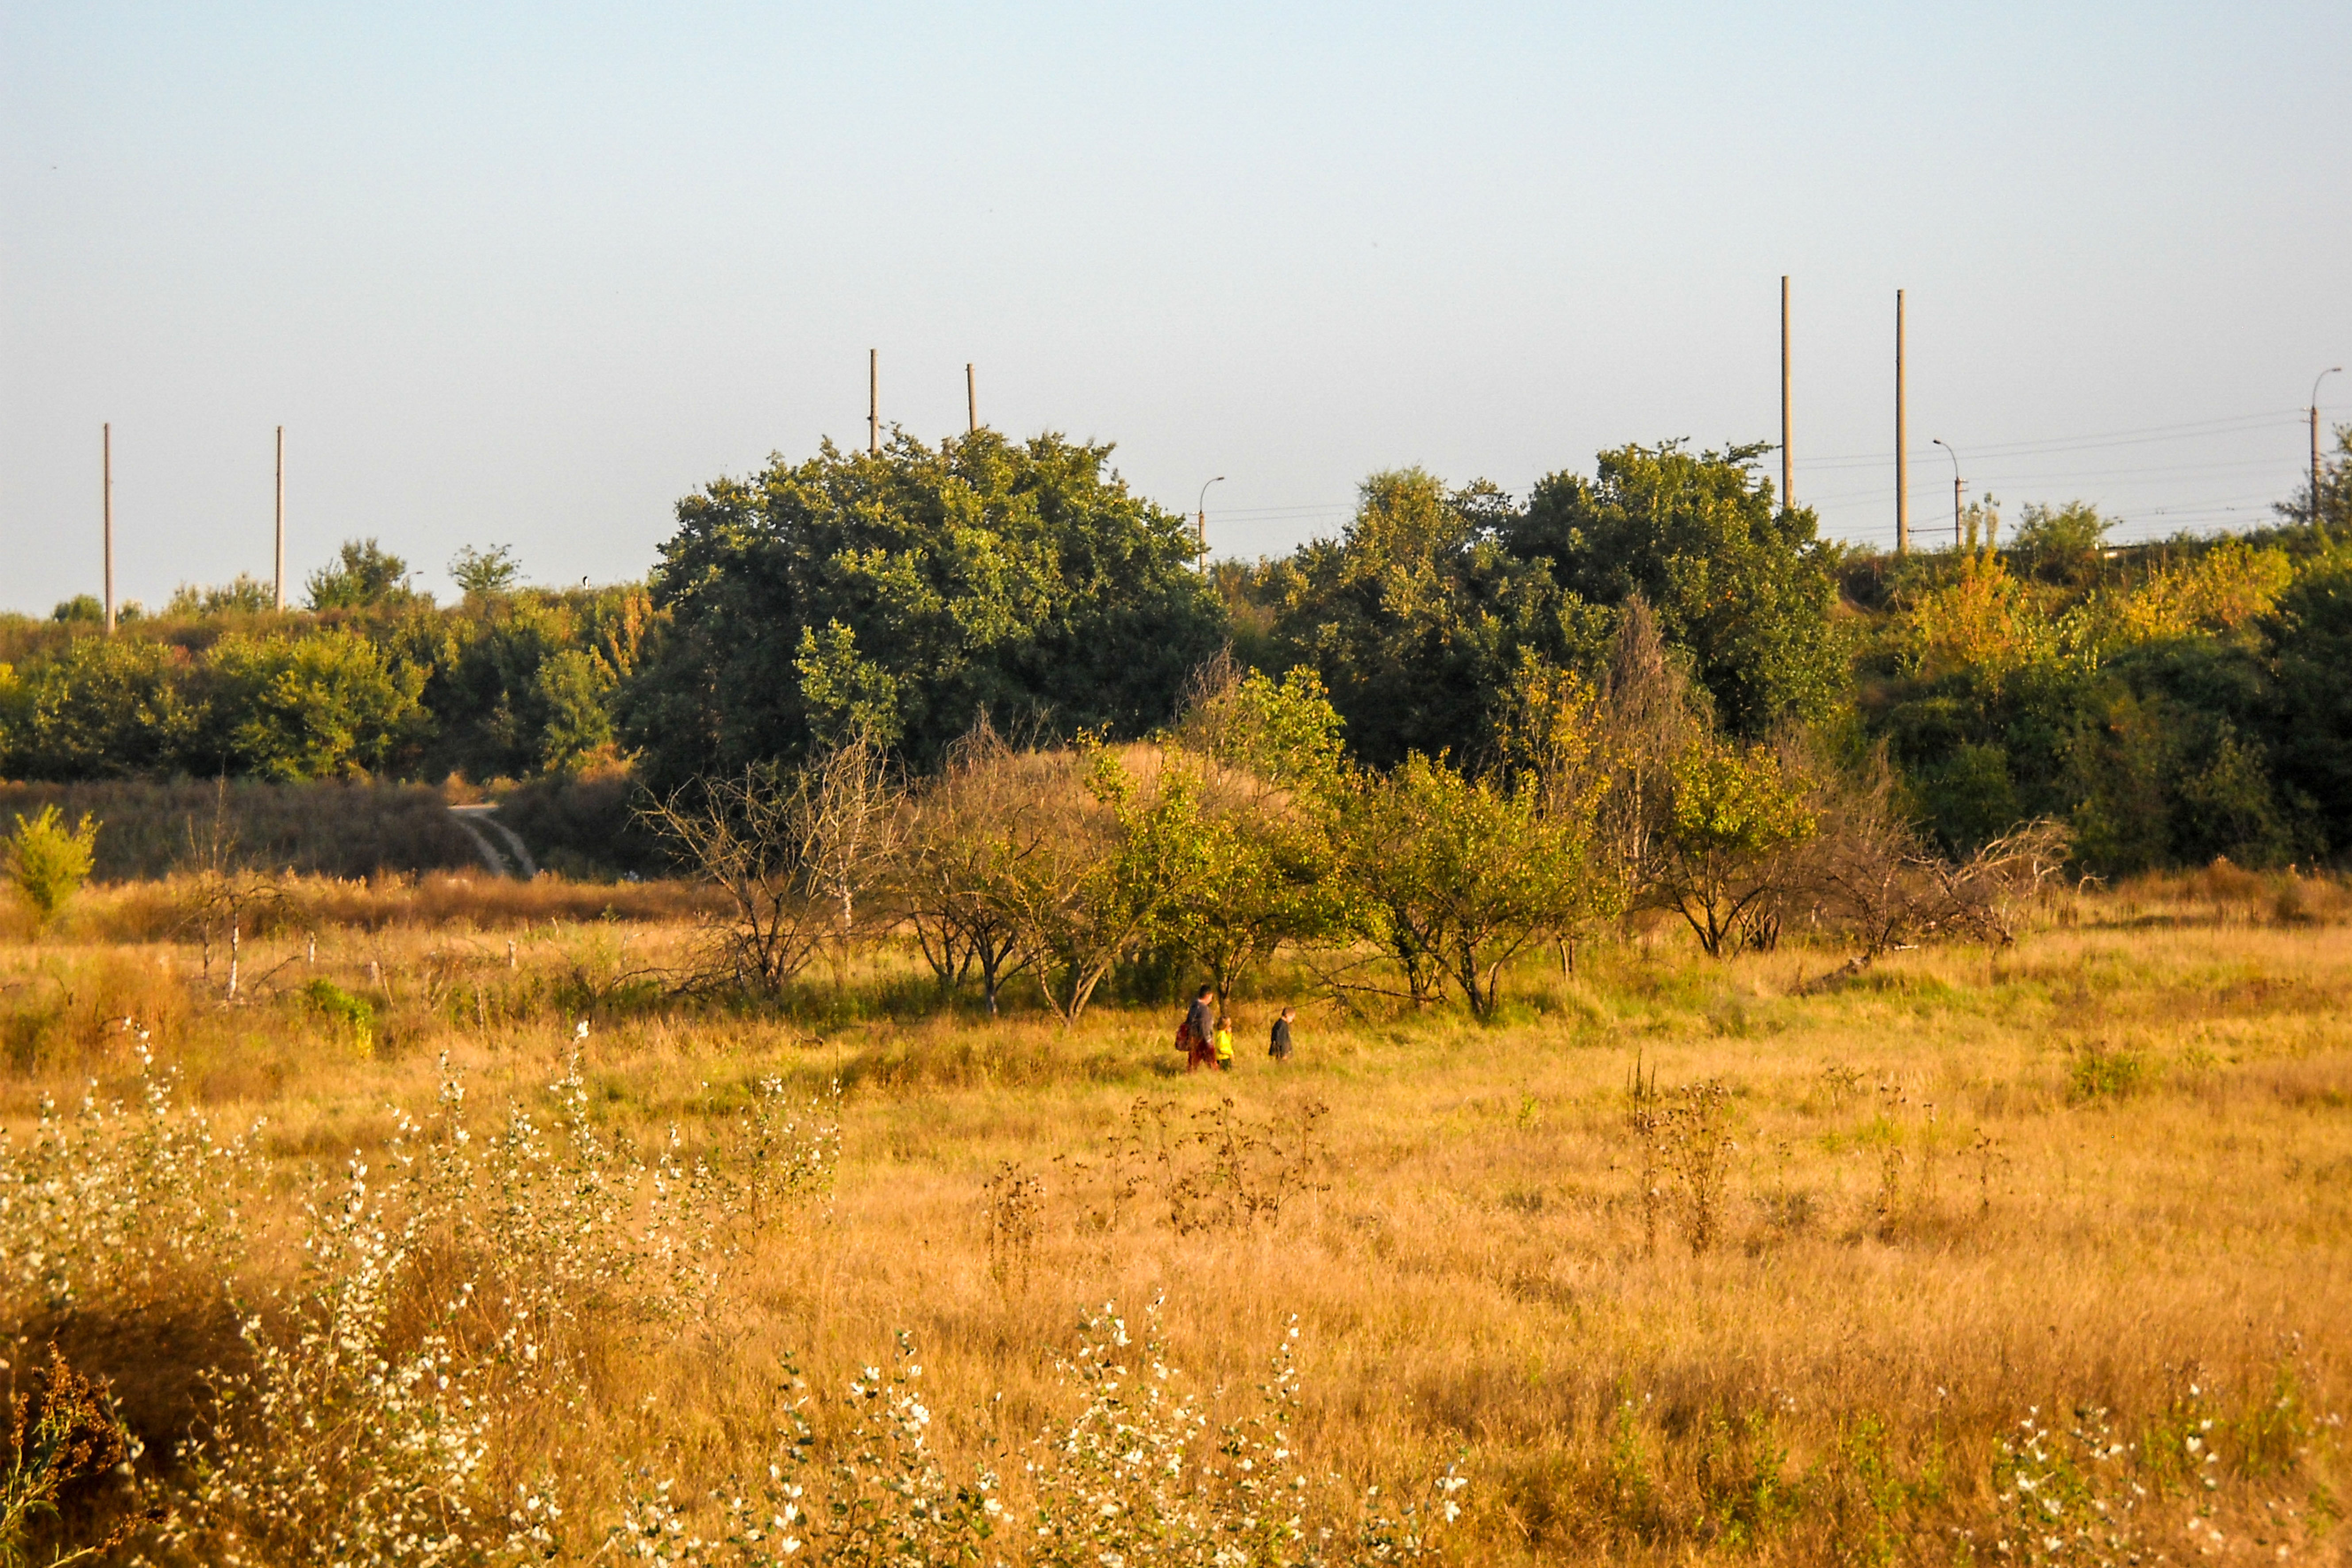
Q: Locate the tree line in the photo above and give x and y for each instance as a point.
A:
(1245, 828)
(2167, 702)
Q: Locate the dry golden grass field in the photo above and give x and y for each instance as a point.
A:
(2034, 1255)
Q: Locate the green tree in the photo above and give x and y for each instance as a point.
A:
(329, 706)
(47, 862)
(102, 707)
(2335, 490)
(1737, 580)
(1414, 617)
(244, 595)
(1734, 814)
(2064, 544)
(486, 573)
(1097, 883)
(904, 595)
(362, 574)
(2314, 651)
(1264, 762)
(1454, 875)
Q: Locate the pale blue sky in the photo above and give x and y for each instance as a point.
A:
(527, 275)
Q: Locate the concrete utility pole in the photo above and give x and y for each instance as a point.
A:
(1787, 482)
(2323, 375)
(872, 402)
(971, 401)
(106, 465)
(1203, 512)
(1902, 443)
(281, 517)
(1940, 441)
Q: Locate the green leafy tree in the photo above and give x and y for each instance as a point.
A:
(1115, 846)
(102, 707)
(329, 706)
(486, 573)
(47, 862)
(1264, 760)
(242, 595)
(1454, 875)
(1734, 815)
(2335, 490)
(2063, 543)
(1414, 618)
(904, 595)
(82, 610)
(363, 574)
(1737, 580)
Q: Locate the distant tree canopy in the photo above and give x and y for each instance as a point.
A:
(1738, 582)
(2168, 701)
(1419, 616)
(903, 595)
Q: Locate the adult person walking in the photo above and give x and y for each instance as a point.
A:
(1200, 1031)
(1279, 1047)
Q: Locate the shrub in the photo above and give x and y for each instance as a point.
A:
(356, 1016)
(49, 862)
(2101, 1073)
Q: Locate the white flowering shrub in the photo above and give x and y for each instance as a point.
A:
(118, 1202)
(446, 1306)
(2067, 1496)
(1137, 1476)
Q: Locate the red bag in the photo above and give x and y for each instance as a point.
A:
(1184, 1036)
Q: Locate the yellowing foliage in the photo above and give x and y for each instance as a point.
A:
(1986, 621)
(2222, 591)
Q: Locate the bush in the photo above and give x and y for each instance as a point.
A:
(49, 862)
(354, 1015)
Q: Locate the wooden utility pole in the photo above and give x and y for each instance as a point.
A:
(872, 402)
(281, 517)
(1787, 482)
(971, 401)
(1902, 442)
(106, 465)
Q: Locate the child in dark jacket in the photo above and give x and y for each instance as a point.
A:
(1280, 1048)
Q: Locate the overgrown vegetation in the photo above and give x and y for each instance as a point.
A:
(2167, 704)
(428, 1244)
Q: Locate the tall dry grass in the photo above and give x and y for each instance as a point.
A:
(2025, 1246)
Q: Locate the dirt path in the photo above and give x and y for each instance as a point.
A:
(502, 850)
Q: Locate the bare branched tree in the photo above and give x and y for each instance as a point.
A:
(968, 835)
(795, 851)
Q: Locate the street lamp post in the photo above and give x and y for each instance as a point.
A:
(1200, 514)
(2323, 375)
(1940, 441)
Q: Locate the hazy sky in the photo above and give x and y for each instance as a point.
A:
(527, 275)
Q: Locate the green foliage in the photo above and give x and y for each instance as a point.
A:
(903, 595)
(1264, 762)
(1415, 617)
(102, 708)
(244, 595)
(485, 573)
(352, 1014)
(2099, 1072)
(1733, 813)
(83, 609)
(2063, 543)
(47, 862)
(1452, 876)
(361, 575)
(329, 706)
(1738, 581)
